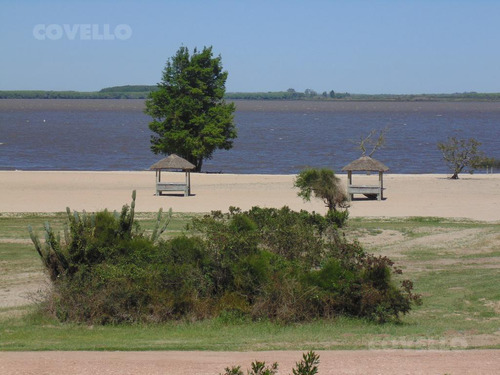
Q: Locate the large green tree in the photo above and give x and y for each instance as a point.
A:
(190, 116)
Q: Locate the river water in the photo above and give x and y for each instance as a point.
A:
(274, 137)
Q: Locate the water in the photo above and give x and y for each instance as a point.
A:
(273, 137)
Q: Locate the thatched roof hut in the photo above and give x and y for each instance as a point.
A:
(366, 164)
(173, 162)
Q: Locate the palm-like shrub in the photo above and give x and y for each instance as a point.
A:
(323, 184)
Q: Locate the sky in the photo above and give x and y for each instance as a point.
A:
(355, 46)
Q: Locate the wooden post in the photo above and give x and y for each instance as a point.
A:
(157, 179)
(381, 184)
(187, 191)
(349, 183)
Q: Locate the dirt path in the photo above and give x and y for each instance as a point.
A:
(386, 362)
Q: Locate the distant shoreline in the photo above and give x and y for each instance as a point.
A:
(142, 92)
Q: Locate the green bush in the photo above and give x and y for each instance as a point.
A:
(264, 263)
(337, 218)
(323, 184)
(307, 366)
(294, 266)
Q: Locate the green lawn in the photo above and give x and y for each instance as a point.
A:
(455, 265)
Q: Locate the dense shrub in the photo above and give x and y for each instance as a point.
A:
(262, 264)
(294, 266)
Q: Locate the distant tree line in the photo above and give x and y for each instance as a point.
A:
(289, 94)
(465, 96)
(39, 94)
(142, 92)
(130, 88)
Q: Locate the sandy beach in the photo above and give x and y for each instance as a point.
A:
(474, 197)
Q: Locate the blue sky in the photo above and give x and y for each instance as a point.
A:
(400, 47)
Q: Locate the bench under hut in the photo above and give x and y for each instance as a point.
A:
(366, 164)
(173, 163)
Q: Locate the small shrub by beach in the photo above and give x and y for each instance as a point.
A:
(307, 366)
(323, 184)
(264, 263)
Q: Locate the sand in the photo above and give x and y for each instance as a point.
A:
(340, 362)
(474, 197)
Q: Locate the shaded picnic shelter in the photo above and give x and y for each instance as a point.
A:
(366, 164)
(173, 163)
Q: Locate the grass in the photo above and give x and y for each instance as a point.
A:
(455, 266)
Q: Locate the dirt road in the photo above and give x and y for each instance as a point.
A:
(386, 362)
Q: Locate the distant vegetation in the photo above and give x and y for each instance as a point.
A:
(289, 94)
(465, 96)
(117, 92)
(345, 96)
(489, 164)
(129, 89)
(142, 92)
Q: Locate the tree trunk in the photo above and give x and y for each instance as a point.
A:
(331, 205)
(458, 169)
(198, 165)
(197, 162)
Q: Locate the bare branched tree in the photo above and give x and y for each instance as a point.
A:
(461, 155)
(370, 142)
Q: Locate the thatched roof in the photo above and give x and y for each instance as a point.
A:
(366, 163)
(173, 162)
